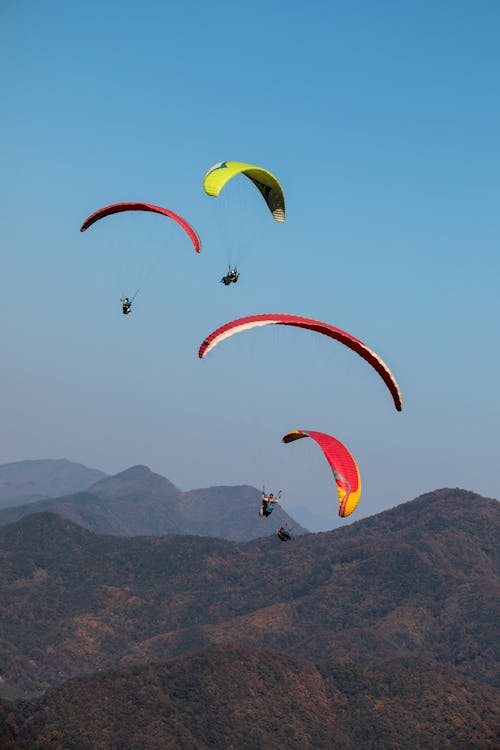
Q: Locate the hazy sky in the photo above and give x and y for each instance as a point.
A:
(381, 120)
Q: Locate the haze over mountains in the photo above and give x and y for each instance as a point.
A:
(27, 481)
(139, 502)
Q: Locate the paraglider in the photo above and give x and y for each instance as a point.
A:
(231, 277)
(284, 534)
(268, 503)
(116, 208)
(255, 321)
(126, 305)
(344, 467)
(269, 187)
(221, 173)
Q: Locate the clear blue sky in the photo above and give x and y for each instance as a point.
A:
(382, 121)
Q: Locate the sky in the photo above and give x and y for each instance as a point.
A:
(381, 121)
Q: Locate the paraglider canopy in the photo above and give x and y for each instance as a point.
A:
(116, 208)
(342, 463)
(269, 187)
(255, 321)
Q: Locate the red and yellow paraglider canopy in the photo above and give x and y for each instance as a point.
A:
(342, 463)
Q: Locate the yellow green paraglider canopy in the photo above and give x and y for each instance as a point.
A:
(270, 188)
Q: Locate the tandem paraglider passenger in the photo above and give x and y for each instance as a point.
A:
(231, 277)
(284, 534)
(268, 503)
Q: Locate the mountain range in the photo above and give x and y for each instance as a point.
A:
(381, 634)
(418, 580)
(139, 502)
(250, 699)
(27, 481)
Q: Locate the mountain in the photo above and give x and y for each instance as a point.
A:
(139, 502)
(238, 697)
(27, 481)
(418, 581)
(312, 521)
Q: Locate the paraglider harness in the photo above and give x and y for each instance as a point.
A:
(268, 503)
(284, 534)
(231, 277)
(127, 303)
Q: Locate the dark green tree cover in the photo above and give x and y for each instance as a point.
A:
(389, 626)
(419, 580)
(247, 699)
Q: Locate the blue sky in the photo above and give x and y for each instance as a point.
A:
(381, 120)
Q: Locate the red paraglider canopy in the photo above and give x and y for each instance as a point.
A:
(117, 208)
(252, 321)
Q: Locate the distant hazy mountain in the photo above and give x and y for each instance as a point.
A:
(139, 502)
(238, 697)
(27, 481)
(420, 581)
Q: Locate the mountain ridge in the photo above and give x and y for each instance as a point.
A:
(140, 502)
(421, 580)
(31, 480)
(237, 696)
